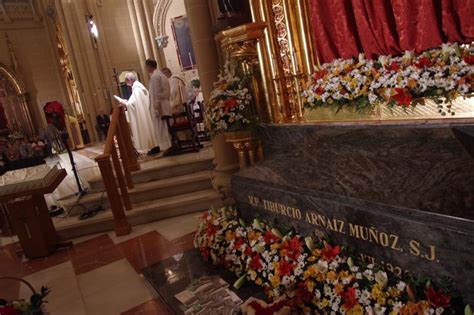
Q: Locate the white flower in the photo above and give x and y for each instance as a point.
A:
(381, 278)
(401, 286)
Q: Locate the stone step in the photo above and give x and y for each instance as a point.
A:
(141, 213)
(168, 169)
(143, 192)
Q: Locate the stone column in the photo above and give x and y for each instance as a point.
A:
(205, 50)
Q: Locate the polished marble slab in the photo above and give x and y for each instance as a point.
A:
(173, 275)
(402, 195)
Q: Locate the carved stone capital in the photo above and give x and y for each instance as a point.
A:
(162, 41)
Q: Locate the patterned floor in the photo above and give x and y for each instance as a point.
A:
(101, 273)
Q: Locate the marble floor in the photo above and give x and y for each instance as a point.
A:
(101, 273)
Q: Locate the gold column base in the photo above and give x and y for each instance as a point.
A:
(248, 148)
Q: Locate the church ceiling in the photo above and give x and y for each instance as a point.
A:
(19, 13)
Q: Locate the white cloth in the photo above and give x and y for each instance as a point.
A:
(160, 106)
(138, 116)
(177, 93)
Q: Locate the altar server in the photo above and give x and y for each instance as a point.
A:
(159, 103)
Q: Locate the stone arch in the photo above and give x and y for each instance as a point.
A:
(161, 8)
(22, 114)
(13, 79)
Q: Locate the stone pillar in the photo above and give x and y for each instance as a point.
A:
(205, 50)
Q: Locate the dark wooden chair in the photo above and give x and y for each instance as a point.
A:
(184, 122)
(203, 134)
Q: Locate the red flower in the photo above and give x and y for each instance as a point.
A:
(205, 253)
(349, 298)
(230, 103)
(437, 298)
(423, 62)
(319, 90)
(256, 263)
(248, 251)
(268, 310)
(319, 74)
(269, 237)
(394, 66)
(329, 252)
(238, 243)
(302, 295)
(8, 310)
(211, 230)
(469, 59)
(292, 248)
(402, 97)
(285, 268)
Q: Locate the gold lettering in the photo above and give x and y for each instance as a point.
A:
(414, 248)
(353, 230)
(308, 217)
(341, 227)
(373, 235)
(383, 239)
(394, 239)
(298, 214)
(361, 231)
(432, 255)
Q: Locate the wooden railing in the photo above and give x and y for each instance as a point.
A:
(116, 167)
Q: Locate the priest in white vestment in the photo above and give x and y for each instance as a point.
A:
(159, 103)
(178, 94)
(138, 115)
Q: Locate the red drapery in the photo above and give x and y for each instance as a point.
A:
(345, 28)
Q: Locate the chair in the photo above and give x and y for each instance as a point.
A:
(198, 110)
(180, 123)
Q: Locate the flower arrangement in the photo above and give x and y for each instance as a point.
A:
(315, 276)
(33, 306)
(230, 102)
(441, 74)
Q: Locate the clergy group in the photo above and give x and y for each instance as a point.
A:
(146, 107)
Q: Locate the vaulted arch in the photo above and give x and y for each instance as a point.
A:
(12, 79)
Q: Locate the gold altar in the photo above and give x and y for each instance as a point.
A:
(278, 50)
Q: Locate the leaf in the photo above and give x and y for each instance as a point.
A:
(468, 310)
(240, 282)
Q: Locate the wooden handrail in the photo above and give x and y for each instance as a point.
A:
(112, 131)
(116, 169)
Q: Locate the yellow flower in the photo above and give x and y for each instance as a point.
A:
(331, 275)
(310, 286)
(229, 235)
(275, 246)
(259, 281)
(356, 310)
(345, 275)
(275, 280)
(412, 83)
(377, 291)
(324, 302)
(394, 292)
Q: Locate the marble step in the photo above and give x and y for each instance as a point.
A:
(141, 213)
(143, 192)
(167, 170)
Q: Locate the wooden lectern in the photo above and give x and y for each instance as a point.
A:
(23, 192)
